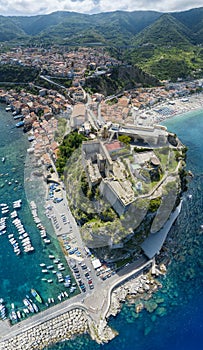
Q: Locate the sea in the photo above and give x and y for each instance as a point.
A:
(19, 274)
(175, 318)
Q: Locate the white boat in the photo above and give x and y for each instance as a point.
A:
(17, 204)
(18, 314)
(28, 304)
(35, 307)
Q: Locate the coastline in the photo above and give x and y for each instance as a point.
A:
(172, 108)
(137, 287)
(46, 329)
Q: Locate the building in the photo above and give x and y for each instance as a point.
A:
(104, 168)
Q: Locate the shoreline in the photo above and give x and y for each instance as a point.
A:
(45, 329)
(170, 108)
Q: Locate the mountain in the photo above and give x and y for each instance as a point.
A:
(119, 28)
(193, 19)
(165, 31)
(9, 30)
(157, 42)
(71, 22)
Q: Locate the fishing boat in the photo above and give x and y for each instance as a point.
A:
(29, 305)
(13, 315)
(51, 256)
(35, 307)
(19, 116)
(36, 295)
(2, 310)
(19, 124)
(50, 267)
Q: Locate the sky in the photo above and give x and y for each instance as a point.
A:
(35, 7)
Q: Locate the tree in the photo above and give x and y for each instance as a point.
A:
(124, 139)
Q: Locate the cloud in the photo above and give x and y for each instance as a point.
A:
(33, 7)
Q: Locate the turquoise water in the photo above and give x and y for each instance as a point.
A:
(18, 274)
(178, 322)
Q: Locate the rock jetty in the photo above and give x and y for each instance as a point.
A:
(139, 288)
(55, 330)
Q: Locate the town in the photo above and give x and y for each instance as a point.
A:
(126, 157)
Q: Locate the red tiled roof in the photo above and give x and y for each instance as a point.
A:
(113, 146)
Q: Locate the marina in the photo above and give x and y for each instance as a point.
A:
(24, 240)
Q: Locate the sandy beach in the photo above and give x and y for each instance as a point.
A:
(168, 109)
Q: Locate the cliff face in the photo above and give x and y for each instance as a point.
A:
(119, 79)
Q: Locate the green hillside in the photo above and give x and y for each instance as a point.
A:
(165, 31)
(193, 19)
(9, 30)
(166, 45)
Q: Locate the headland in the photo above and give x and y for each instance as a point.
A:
(151, 173)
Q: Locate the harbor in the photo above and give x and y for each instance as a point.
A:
(32, 257)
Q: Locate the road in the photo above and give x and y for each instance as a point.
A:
(96, 305)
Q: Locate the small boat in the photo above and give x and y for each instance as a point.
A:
(3, 159)
(56, 261)
(61, 268)
(31, 138)
(51, 256)
(29, 305)
(18, 314)
(35, 307)
(50, 267)
(19, 124)
(2, 310)
(36, 295)
(19, 116)
(13, 316)
(42, 264)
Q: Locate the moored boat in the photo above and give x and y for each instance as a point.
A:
(28, 304)
(19, 124)
(36, 295)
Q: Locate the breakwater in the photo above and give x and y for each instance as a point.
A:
(55, 330)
